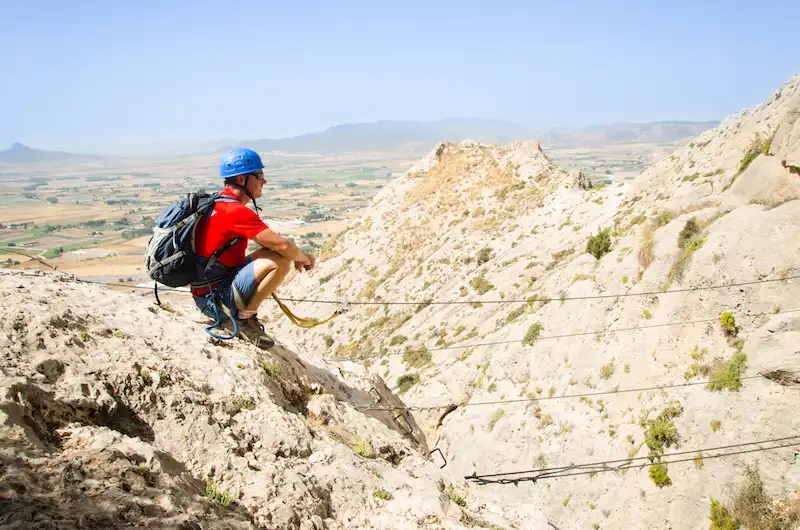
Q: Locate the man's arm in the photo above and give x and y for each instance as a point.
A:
(271, 240)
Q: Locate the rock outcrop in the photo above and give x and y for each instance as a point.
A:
(116, 413)
(534, 261)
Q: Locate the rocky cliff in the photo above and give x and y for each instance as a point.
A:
(117, 413)
(556, 292)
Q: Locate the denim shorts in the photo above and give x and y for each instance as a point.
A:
(234, 294)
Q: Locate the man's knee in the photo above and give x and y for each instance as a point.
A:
(264, 264)
(283, 265)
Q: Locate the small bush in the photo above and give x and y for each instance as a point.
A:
(406, 381)
(532, 334)
(397, 340)
(455, 496)
(599, 244)
(715, 425)
(363, 447)
(383, 494)
(417, 358)
(481, 285)
(749, 156)
(607, 370)
(721, 518)
(729, 375)
(214, 492)
(689, 230)
(728, 324)
(328, 341)
(753, 508)
(495, 418)
(484, 255)
(658, 474)
(515, 314)
(659, 434)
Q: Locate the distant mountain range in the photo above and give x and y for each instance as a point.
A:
(415, 137)
(620, 133)
(420, 136)
(393, 135)
(22, 154)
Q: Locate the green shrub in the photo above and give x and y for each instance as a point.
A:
(748, 158)
(397, 340)
(515, 314)
(406, 381)
(213, 491)
(607, 370)
(599, 244)
(659, 434)
(689, 230)
(484, 255)
(495, 418)
(363, 447)
(658, 474)
(455, 496)
(766, 145)
(729, 375)
(532, 334)
(416, 358)
(721, 518)
(728, 324)
(383, 494)
(481, 285)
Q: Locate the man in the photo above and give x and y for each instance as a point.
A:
(243, 281)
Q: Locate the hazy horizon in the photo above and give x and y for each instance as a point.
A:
(102, 78)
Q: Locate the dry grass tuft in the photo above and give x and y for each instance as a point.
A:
(783, 377)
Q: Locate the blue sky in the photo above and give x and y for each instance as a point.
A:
(98, 76)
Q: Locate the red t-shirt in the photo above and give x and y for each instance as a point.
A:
(226, 221)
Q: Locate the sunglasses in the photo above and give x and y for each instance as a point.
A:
(258, 176)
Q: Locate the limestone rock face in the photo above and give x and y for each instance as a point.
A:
(115, 412)
(495, 380)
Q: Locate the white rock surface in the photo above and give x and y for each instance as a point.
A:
(423, 236)
(116, 412)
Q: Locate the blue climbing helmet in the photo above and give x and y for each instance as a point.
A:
(239, 161)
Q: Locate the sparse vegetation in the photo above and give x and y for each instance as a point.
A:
(532, 334)
(417, 358)
(715, 425)
(660, 434)
(659, 476)
(721, 519)
(397, 340)
(406, 381)
(728, 324)
(221, 496)
(689, 241)
(607, 370)
(481, 284)
(495, 418)
(599, 244)
(484, 255)
(752, 507)
(363, 447)
(455, 496)
(271, 368)
(729, 375)
(382, 494)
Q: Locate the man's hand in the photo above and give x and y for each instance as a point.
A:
(306, 264)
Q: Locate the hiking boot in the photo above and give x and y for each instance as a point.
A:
(251, 330)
